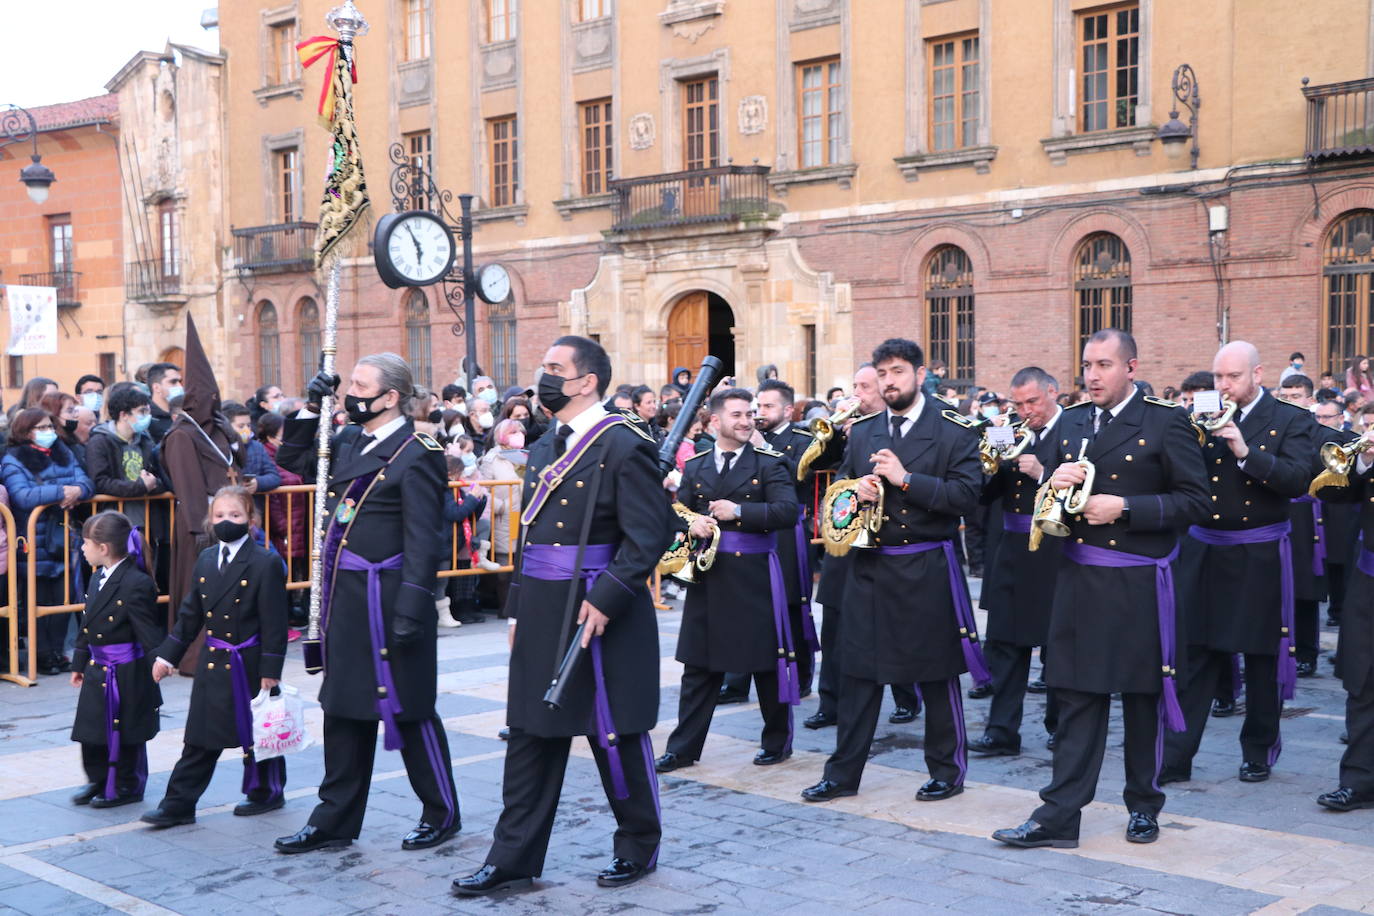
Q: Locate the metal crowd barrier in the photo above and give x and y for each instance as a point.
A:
(299, 500)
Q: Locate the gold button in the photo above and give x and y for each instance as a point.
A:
(1215, 517)
(202, 580)
(1245, 518)
(579, 484)
(1068, 456)
(755, 481)
(228, 635)
(243, 582)
(1273, 432)
(209, 613)
(210, 666)
(1113, 477)
(383, 652)
(1247, 502)
(1218, 461)
(111, 618)
(344, 542)
(331, 496)
(91, 662)
(381, 691)
(104, 667)
(558, 524)
(119, 602)
(1129, 458)
(85, 629)
(1140, 441)
(1261, 448)
(381, 477)
(227, 666)
(116, 721)
(1111, 543)
(556, 544)
(1065, 442)
(1080, 540)
(1214, 497)
(737, 553)
(562, 502)
(1215, 479)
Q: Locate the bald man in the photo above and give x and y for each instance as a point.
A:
(1235, 568)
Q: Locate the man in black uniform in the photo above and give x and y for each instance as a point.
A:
(1019, 588)
(595, 524)
(1112, 625)
(1340, 519)
(735, 617)
(907, 615)
(381, 559)
(1235, 566)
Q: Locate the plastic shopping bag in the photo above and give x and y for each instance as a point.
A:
(279, 723)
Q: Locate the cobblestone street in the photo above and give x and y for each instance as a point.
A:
(737, 838)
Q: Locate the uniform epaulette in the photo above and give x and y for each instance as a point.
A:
(634, 425)
(1079, 404)
(869, 416)
(765, 450)
(954, 416)
(428, 442)
(951, 402)
(697, 455)
(1161, 402)
(1292, 405)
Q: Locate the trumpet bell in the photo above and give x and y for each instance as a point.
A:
(1338, 458)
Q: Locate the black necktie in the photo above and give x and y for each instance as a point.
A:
(100, 579)
(1103, 418)
(224, 557)
(726, 458)
(560, 442)
(897, 424)
(364, 441)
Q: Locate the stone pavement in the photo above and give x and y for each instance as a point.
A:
(737, 838)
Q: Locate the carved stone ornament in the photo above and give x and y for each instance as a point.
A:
(642, 131)
(753, 114)
(499, 63)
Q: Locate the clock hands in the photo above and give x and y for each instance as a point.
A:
(419, 251)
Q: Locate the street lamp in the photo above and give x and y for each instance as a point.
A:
(1174, 134)
(36, 176)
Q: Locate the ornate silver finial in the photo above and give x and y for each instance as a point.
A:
(347, 20)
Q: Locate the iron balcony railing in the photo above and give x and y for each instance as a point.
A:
(150, 280)
(275, 249)
(1340, 119)
(68, 283)
(721, 194)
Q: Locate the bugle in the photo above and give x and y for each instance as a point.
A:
(1338, 459)
(991, 456)
(1053, 507)
(823, 430)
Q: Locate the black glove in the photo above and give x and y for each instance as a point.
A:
(322, 386)
(406, 631)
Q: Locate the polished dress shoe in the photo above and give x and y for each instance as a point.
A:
(768, 758)
(1032, 835)
(308, 839)
(118, 801)
(825, 790)
(1143, 828)
(1307, 669)
(728, 696)
(1223, 709)
(1253, 772)
(987, 747)
(902, 715)
(163, 819)
(938, 790)
(250, 808)
(1037, 686)
(489, 879)
(670, 761)
(819, 720)
(426, 835)
(88, 792)
(622, 873)
(504, 734)
(980, 692)
(1346, 799)
(1167, 776)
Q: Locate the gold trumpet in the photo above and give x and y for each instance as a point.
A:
(823, 430)
(1052, 507)
(1208, 423)
(1338, 460)
(991, 457)
(688, 555)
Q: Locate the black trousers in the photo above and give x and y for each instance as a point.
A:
(1081, 742)
(828, 683)
(1357, 763)
(131, 770)
(1307, 629)
(196, 767)
(1010, 667)
(1207, 671)
(349, 748)
(531, 788)
(946, 745)
(806, 658)
(697, 703)
(1335, 587)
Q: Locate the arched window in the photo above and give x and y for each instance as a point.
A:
(269, 345)
(1101, 288)
(417, 337)
(308, 321)
(1347, 266)
(949, 313)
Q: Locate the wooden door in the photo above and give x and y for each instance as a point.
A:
(689, 332)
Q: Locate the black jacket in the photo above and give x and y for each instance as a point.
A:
(1356, 648)
(124, 610)
(113, 464)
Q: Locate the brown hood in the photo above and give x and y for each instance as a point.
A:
(201, 401)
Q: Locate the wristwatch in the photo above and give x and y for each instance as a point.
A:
(1125, 512)
(739, 510)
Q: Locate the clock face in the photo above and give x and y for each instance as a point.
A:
(493, 284)
(418, 248)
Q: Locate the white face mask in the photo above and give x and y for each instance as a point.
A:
(486, 421)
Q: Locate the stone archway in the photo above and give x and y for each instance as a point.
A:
(701, 322)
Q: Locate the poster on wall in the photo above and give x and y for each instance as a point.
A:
(33, 320)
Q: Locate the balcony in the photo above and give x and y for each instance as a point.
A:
(150, 281)
(67, 282)
(1340, 119)
(728, 193)
(283, 248)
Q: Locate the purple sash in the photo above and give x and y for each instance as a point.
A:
(1319, 537)
(1281, 531)
(804, 574)
(1016, 522)
(557, 564)
(789, 682)
(243, 699)
(963, 609)
(1087, 555)
(388, 705)
(111, 657)
(552, 476)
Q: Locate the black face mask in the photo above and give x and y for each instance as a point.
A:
(357, 410)
(551, 391)
(436, 416)
(228, 531)
(70, 425)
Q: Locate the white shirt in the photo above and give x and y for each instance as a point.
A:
(1244, 412)
(1045, 430)
(386, 429)
(106, 572)
(912, 414)
(720, 454)
(1115, 411)
(234, 547)
(583, 422)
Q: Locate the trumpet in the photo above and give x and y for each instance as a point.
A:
(846, 522)
(991, 457)
(1052, 507)
(1338, 459)
(688, 555)
(823, 430)
(1208, 423)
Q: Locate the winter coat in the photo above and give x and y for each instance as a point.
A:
(34, 479)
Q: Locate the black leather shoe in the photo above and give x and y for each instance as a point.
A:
(826, 790)
(987, 747)
(1253, 772)
(308, 839)
(938, 790)
(1050, 741)
(426, 835)
(805, 692)
(767, 759)
(819, 720)
(504, 734)
(1346, 799)
(1143, 828)
(670, 761)
(52, 664)
(901, 715)
(250, 808)
(622, 873)
(981, 692)
(162, 819)
(1032, 835)
(489, 880)
(88, 792)
(728, 696)
(1307, 669)
(118, 801)
(1223, 709)
(1167, 776)
(1037, 686)
(1345, 737)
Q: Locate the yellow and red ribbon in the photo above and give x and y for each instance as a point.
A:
(311, 50)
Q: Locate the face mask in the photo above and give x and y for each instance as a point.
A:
(245, 435)
(488, 395)
(92, 401)
(469, 459)
(551, 391)
(141, 422)
(70, 425)
(436, 416)
(461, 407)
(228, 531)
(276, 406)
(515, 440)
(357, 408)
(455, 431)
(990, 411)
(176, 391)
(486, 421)
(44, 438)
